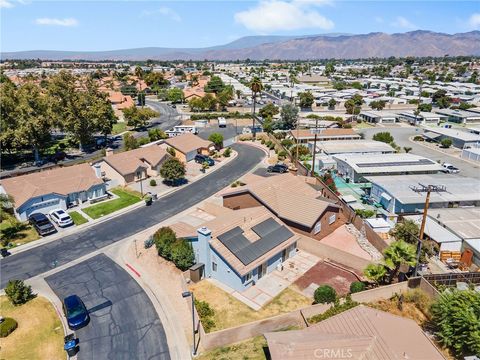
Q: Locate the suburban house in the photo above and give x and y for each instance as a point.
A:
(134, 165)
(290, 198)
(355, 167)
(306, 135)
(460, 139)
(459, 116)
(396, 193)
(53, 189)
(314, 79)
(359, 333)
(334, 147)
(422, 118)
(120, 101)
(378, 117)
(240, 247)
(188, 145)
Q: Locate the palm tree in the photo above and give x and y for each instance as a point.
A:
(397, 254)
(239, 93)
(375, 272)
(256, 86)
(139, 72)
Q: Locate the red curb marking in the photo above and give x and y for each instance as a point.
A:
(134, 271)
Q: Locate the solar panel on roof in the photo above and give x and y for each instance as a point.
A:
(265, 227)
(271, 235)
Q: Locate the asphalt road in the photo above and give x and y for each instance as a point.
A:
(402, 135)
(123, 322)
(38, 260)
(169, 117)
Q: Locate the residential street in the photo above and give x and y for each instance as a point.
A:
(169, 117)
(402, 135)
(123, 322)
(40, 259)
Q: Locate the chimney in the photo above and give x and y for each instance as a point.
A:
(203, 247)
(98, 170)
(108, 151)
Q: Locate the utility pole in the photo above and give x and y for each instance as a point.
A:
(422, 189)
(314, 146)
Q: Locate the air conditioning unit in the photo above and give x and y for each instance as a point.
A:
(280, 267)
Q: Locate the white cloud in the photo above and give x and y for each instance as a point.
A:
(276, 15)
(474, 21)
(6, 4)
(57, 22)
(165, 11)
(403, 23)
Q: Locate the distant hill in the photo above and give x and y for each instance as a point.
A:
(341, 46)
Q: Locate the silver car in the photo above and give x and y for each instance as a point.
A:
(61, 218)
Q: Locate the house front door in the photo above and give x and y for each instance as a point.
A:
(284, 255)
(262, 270)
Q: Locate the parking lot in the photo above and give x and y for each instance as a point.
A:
(124, 323)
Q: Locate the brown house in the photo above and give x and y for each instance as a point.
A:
(291, 199)
(133, 165)
(186, 146)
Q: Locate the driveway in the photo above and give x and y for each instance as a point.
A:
(402, 135)
(123, 322)
(40, 259)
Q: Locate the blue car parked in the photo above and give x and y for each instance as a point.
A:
(75, 312)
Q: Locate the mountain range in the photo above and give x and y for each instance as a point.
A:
(326, 46)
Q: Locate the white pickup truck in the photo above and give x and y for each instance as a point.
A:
(449, 168)
(222, 122)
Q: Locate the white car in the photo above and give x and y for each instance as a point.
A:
(449, 168)
(61, 218)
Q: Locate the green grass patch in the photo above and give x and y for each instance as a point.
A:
(125, 198)
(251, 349)
(77, 218)
(119, 127)
(15, 232)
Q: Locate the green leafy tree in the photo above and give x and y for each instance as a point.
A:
(399, 253)
(141, 99)
(384, 136)
(407, 231)
(329, 69)
(33, 118)
(18, 293)
(446, 142)
(377, 104)
(217, 139)
(332, 103)
(129, 142)
(209, 102)
(156, 80)
(269, 110)
(173, 170)
(288, 117)
(175, 95)
(325, 294)
(156, 134)
(214, 85)
(224, 96)
(138, 117)
(164, 239)
(456, 318)
(268, 125)
(182, 254)
(306, 99)
(375, 273)
(8, 115)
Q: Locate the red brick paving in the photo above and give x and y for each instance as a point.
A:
(324, 273)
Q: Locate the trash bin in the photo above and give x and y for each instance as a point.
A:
(71, 345)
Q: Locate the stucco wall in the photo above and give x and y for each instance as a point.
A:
(111, 173)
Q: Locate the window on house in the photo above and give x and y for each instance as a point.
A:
(318, 227)
(248, 277)
(214, 266)
(332, 219)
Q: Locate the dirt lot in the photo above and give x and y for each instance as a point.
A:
(324, 273)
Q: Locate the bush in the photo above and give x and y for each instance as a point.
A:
(7, 327)
(153, 182)
(325, 294)
(171, 151)
(227, 152)
(287, 143)
(164, 239)
(365, 214)
(18, 293)
(205, 312)
(357, 286)
(418, 138)
(446, 143)
(334, 310)
(182, 254)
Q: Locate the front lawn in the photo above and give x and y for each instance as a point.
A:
(18, 233)
(77, 218)
(39, 334)
(119, 127)
(251, 349)
(125, 198)
(230, 312)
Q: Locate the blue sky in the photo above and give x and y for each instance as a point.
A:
(116, 24)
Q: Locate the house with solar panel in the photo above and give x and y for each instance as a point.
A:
(240, 247)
